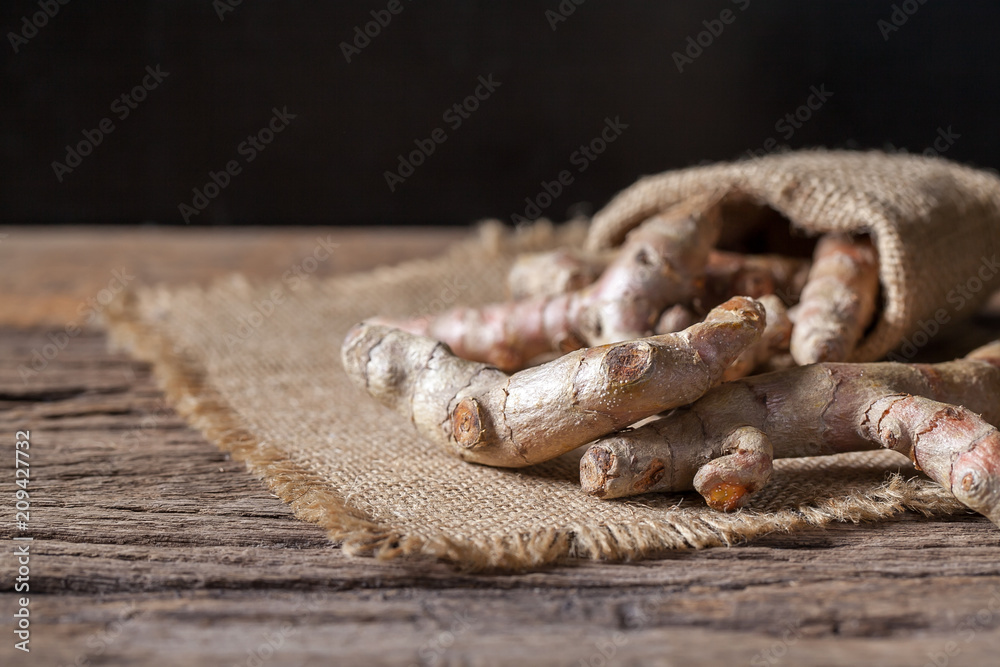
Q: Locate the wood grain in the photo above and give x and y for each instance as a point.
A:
(152, 547)
(51, 272)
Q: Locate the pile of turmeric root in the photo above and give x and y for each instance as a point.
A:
(683, 366)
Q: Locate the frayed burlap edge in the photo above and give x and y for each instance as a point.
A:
(311, 500)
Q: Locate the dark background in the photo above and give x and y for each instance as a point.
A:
(939, 70)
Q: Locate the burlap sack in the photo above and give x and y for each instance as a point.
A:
(257, 368)
(936, 223)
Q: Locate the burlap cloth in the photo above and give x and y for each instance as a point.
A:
(269, 387)
(935, 223)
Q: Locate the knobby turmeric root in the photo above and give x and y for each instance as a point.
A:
(729, 274)
(723, 444)
(655, 268)
(838, 300)
(483, 415)
(555, 272)
(726, 274)
(676, 318)
(773, 339)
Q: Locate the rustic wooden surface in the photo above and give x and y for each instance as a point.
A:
(152, 547)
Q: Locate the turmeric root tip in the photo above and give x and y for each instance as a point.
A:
(838, 300)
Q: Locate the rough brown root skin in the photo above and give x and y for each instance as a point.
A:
(505, 335)
(952, 444)
(728, 482)
(824, 409)
(676, 318)
(555, 272)
(838, 300)
(989, 353)
(729, 274)
(773, 341)
(656, 267)
(482, 415)
(974, 474)
(726, 274)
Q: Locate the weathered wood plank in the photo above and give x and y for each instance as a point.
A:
(133, 505)
(404, 627)
(51, 273)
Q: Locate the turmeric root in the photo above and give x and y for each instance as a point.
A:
(838, 300)
(655, 268)
(773, 340)
(555, 272)
(482, 415)
(722, 445)
(730, 274)
(676, 318)
(726, 274)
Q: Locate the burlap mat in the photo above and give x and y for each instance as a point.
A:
(269, 388)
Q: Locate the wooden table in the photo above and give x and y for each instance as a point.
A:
(152, 547)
